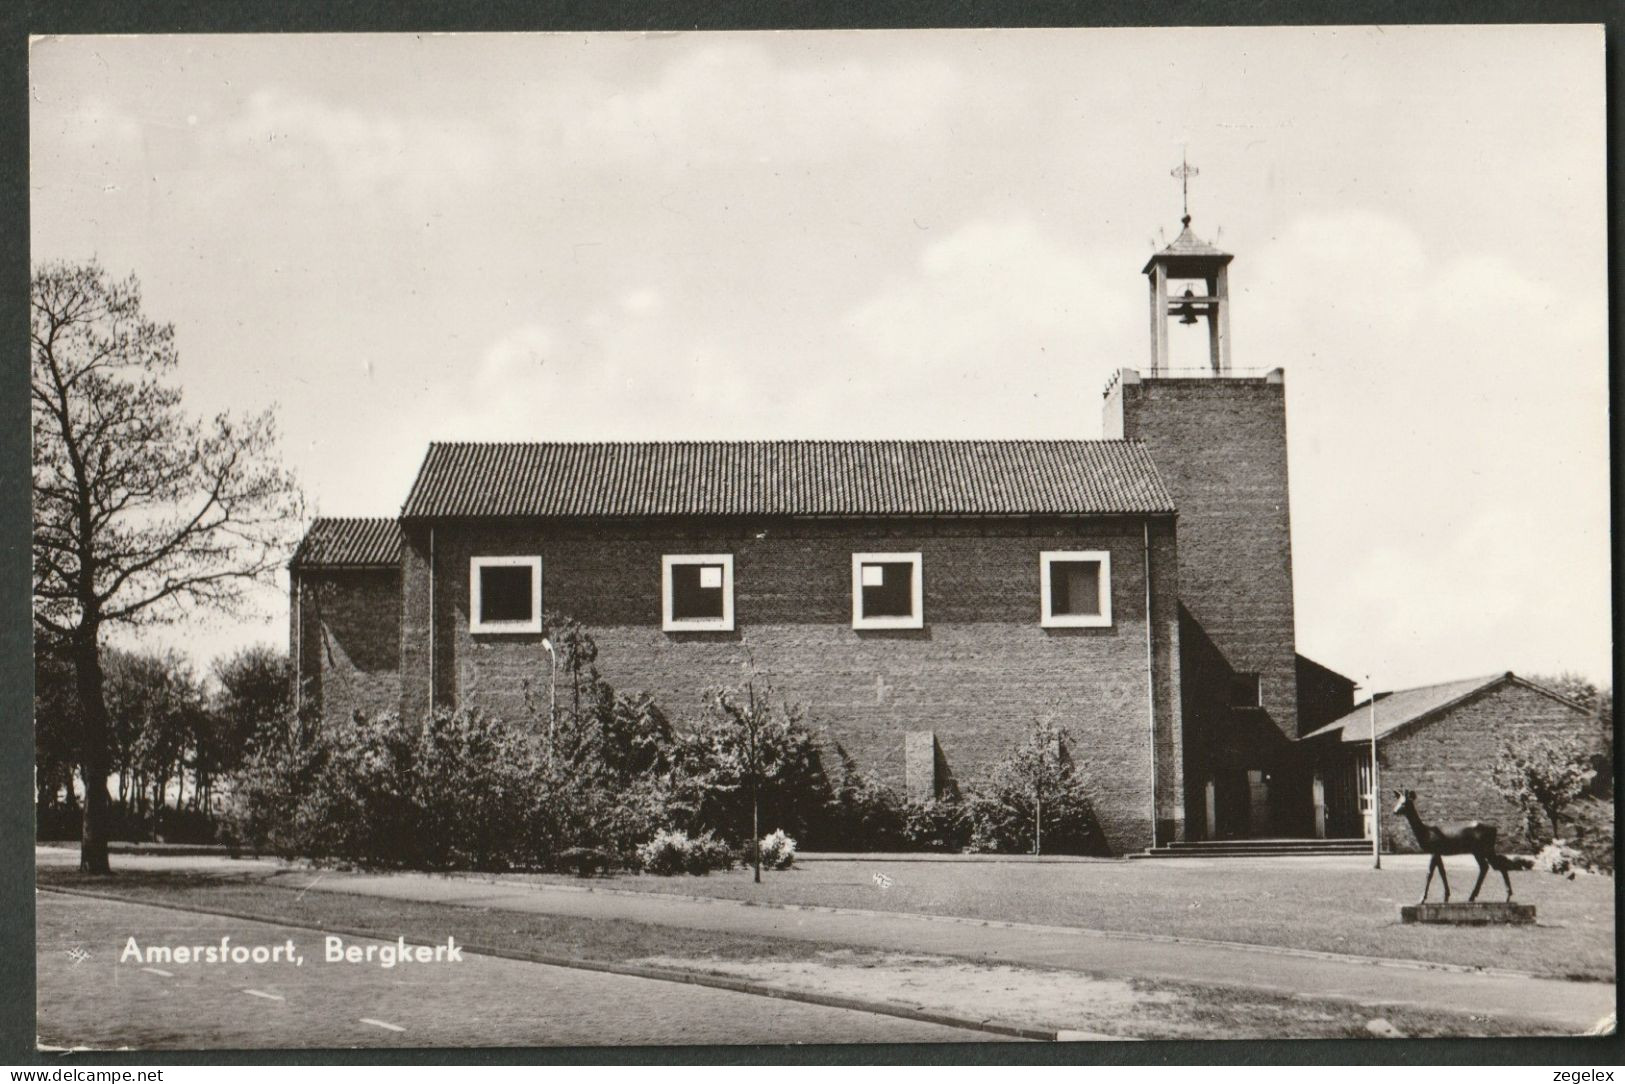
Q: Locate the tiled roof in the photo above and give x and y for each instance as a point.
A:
(1188, 250)
(1188, 244)
(1402, 708)
(796, 478)
(349, 543)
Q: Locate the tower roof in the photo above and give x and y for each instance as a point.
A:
(1188, 252)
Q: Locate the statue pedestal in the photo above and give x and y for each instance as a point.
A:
(1470, 914)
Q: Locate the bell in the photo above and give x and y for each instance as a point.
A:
(1187, 311)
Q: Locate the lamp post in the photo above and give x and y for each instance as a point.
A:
(1376, 814)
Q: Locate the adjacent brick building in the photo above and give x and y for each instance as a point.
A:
(1441, 741)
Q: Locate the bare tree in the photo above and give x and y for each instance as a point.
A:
(142, 514)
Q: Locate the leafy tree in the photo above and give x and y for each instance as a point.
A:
(1599, 701)
(56, 723)
(1582, 690)
(254, 694)
(1034, 793)
(156, 712)
(1542, 776)
(142, 514)
(744, 748)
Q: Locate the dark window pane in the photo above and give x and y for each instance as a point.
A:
(1244, 692)
(893, 596)
(1074, 588)
(505, 593)
(691, 598)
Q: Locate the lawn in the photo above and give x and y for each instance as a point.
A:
(1321, 904)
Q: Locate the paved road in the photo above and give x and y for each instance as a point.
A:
(1563, 1007)
(482, 1001)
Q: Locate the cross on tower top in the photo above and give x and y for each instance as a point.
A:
(1183, 173)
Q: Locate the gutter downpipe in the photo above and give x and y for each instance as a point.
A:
(431, 620)
(296, 603)
(1376, 792)
(1150, 681)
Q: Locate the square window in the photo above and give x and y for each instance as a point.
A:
(1245, 691)
(697, 592)
(505, 594)
(887, 591)
(1075, 588)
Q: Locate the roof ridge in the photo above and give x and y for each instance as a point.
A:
(995, 476)
(355, 519)
(776, 440)
(1482, 679)
(1360, 712)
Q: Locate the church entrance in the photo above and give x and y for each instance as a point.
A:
(1258, 803)
(1238, 804)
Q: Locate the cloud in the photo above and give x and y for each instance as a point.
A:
(999, 329)
(732, 102)
(588, 380)
(409, 159)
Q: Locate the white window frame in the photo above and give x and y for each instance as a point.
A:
(476, 623)
(916, 620)
(725, 623)
(1051, 620)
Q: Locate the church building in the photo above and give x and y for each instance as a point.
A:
(924, 601)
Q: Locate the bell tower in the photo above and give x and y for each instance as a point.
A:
(1175, 273)
(1218, 437)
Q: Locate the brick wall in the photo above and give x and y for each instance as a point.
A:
(1220, 445)
(347, 639)
(978, 673)
(1324, 695)
(1448, 761)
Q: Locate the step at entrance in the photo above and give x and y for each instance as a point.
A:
(1257, 848)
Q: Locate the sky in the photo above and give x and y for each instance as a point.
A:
(399, 238)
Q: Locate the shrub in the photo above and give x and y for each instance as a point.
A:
(1594, 838)
(936, 824)
(1559, 858)
(665, 854)
(778, 850)
(706, 853)
(671, 852)
(455, 791)
(584, 861)
(470, 783)
(862, 814)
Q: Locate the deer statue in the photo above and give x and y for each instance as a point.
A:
(1475, 839)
